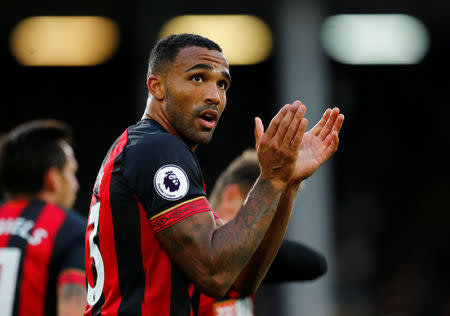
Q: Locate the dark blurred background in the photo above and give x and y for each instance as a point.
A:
(390, 176)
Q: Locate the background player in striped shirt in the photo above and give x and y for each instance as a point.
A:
(293, 262)
(41, 240)
(152, 241)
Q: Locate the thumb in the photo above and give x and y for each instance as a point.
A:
(259, 131)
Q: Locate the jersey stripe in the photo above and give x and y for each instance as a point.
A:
(159, 285)
(29, 212)
(179, 212)
(20, 209)
(90, 272)
(12, 211)
(50, 217)
(195, 301)
(180, 300)
(110, 301)
(127, 239)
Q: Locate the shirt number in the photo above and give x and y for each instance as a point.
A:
(94, 293)
(9, 268)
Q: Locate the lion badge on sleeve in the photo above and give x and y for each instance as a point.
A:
(171, 182)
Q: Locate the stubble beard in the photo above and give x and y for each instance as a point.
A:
(184, 124)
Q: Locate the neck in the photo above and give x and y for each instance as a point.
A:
(43, 196)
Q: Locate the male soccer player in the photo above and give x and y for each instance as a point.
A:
(41, 240)
(293, 262)
(152, 241)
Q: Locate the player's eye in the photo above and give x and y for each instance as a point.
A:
(223, 84)
(197, 78)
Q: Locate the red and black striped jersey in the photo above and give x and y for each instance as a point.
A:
(148, 181)
(38, 241)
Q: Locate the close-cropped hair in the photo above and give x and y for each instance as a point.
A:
(166, 50)
(243, 171)
(28, 151)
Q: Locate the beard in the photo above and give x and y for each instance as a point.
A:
(185, 125)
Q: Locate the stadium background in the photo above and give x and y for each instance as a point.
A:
(389, 196)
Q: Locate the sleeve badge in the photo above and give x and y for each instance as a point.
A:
(171, 182)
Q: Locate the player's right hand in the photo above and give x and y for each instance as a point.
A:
(278, 147)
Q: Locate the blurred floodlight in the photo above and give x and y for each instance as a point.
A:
(64, 40)
(244, 39)
(375, 38)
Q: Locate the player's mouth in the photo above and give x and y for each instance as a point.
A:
(208, 118)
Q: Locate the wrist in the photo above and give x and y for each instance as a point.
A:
(276, 185)
(293, 185)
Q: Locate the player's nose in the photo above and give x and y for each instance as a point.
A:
(212, 94)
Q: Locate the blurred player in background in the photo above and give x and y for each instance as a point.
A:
(41, 240)
(293, 262)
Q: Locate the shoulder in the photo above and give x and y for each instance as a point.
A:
(75, 218)
(150, 145)
(147, 138)
(74, 224)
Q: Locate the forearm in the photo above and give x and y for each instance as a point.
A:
(257, 267)
(237, 241)
(71, 299)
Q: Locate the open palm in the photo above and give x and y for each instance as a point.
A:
(318, 144)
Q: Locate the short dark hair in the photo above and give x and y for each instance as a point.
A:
(166, 49)
(28, 151)
(243, 171)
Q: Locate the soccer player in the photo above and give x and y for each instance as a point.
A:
(153, 243)
(41, 240)
(293, 262)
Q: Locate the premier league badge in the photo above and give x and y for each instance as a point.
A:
(171, 182)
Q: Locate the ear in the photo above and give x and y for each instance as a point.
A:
(52, 180)
(156, 87)
(232, 200)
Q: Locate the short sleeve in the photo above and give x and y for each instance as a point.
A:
(70, 240)
(71, 234)
(166, 177)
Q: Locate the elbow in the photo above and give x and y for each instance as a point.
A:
(215, 291)
(216, 286)
(220, 284)
(220, 290)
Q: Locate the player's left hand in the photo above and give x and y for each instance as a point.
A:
(318, 144)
